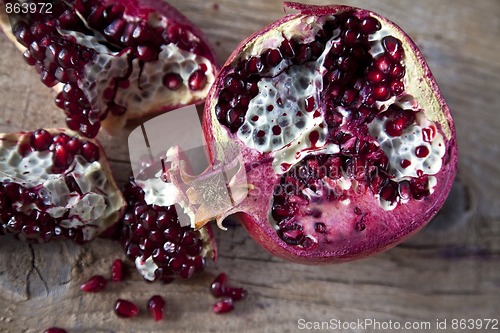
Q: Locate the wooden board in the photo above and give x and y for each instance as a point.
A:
(449, 271)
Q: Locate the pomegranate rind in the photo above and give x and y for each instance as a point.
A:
(115, 199)
(397, 227)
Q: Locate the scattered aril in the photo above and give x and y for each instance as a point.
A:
(126, 309)
(95, 284)
(223, 305)
(117, 271)
(156, 306)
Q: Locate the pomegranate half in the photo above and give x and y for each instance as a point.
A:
(112, 61)
(349, 146)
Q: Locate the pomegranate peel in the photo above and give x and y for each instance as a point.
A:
(348, 145)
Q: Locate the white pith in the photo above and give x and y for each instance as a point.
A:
(293, 84)
(146, 267)
(93, 211)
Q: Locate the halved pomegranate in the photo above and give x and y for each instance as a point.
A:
(349, 147)
(112, 61)
(54, 183)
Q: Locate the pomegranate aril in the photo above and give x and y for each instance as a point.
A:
(197, 80)
(235, 294)
(55, 330)
(287, 49)
(273, 57)
(172, 81)
(156, 306)
(218, 286)
(126, 309)
(95, 284)
(369, 25)
(223, 306)
(117, 270)
(254, 65)
(393, 47)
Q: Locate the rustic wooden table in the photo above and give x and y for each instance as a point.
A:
(449, 271)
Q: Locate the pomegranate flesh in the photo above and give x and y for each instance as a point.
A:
(153, 237)
(349, 146)
(114, 61)
(55, 183)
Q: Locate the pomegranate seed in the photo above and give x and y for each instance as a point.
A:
(222, 306)
(217, 288)
(276, 130)
(55, 330)
(156, 306)
(146, 53)
(421, 151)
(383, 64)
(41, 140)
(172, 81)
(393, 47)
(351, 37)
(287, 49)
(320, 227)
(126, 309)
(90, 151)
(397, 87)
(117, 271)
(404, 190)
(95, 284)
(381, 92)
(235, 294)
(273, 57)
(405, 163)
(254, 65)
(374, 76)
(369, 25)
(197, 80)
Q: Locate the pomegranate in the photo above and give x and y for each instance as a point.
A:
(113, 61)
(153, 237)
(348, 144)
(55, 183)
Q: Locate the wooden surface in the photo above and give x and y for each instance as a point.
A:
(450, 270)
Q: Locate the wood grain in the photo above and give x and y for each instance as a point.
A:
(450, 270)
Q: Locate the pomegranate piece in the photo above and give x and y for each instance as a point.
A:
(348, 144)
(55, 183)
(156, 305)
(55, 330)
(95, 284)
(117, 271)
(219, 288)
(223, 305)
(126, 309)
(152, 237)
(107, 61)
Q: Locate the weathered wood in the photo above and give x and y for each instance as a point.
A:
(449, 270)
